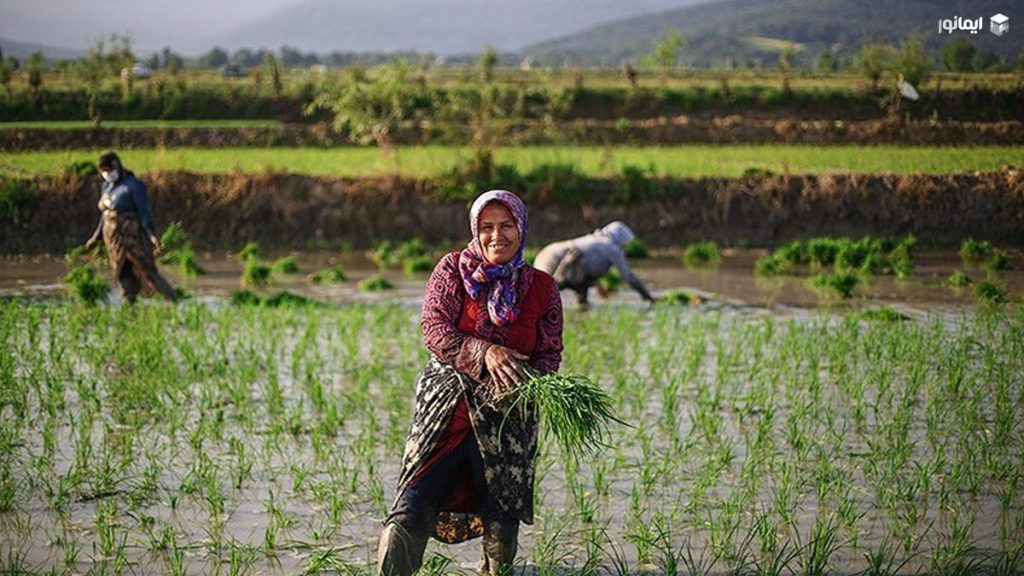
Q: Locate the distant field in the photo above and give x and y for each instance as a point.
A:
(678, 161)
(295, 78)
(85, 124)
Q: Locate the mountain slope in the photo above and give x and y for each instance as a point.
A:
(440, 26)
(731, 30)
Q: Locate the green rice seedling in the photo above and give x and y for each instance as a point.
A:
(702, 255)
(679, 298)
(771, 265)
(245, 298)
(386, 254)
(958, 279)
(174, 238)
(610, 283)
(417, 265)
(286, 299)
(795, 252)
(990, 292)
(883, 314)
(375, 283)
(842, 283)
(251, 251)
(573, 411)
(285, 265)
(85, 285)
(973, 251)
(815, 554)
(185, 258)
(636, 249)
(255, 273)
(998, 262)
(438, 565)
(331, 275)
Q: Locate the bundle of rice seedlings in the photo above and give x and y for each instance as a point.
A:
(573, 410)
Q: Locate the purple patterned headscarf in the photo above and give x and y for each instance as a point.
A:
(498, 280)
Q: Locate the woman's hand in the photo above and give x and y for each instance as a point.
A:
(90, 243)
(156, 243)
(504, 366)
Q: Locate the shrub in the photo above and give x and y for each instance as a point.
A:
(16, 200)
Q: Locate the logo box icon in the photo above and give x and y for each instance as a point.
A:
(999, 24)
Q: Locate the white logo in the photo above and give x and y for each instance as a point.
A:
(966, 24)
(999, 24)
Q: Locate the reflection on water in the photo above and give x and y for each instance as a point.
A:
(731, 283)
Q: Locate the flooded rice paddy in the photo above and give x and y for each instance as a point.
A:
(767, 437)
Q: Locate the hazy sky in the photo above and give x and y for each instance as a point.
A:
(184, 24)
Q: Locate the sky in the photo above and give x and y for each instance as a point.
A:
(186, 25)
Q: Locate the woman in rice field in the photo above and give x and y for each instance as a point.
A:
(468, 467)
(127, 228)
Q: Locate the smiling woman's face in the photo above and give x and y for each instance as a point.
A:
(498, 234)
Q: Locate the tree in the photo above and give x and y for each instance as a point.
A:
(488, 58)
(786, 66)
(171, 61)
(873, 60)
(913, 62)
(34, 71)
(6, 74)
(91, 70)
(957, 55)
(665, 53)
(273, 69)
(984, 61)
(215, 58)
(826, 62)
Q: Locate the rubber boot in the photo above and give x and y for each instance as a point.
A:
(400, 552)
(500, 544)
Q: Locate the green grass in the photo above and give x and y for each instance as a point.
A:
(591, 161)
(135, 124)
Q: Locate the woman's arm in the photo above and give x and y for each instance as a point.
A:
(547, 356)
(442, 306)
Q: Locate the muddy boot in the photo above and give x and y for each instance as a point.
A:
(400, 553)
(500, 544)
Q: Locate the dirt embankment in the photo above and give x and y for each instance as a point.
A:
(296, 211)
(658, 131)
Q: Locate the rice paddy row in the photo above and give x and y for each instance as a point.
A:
(689, 161)
(201, 439)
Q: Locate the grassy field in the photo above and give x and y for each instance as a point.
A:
(202, 439)
(427, 161)
(122, 124)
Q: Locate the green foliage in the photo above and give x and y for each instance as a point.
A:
(331, 275)
(611, 282)
(957, 55)
(990, 292)
(913, 62)
(635, 184)
(958, 279)
(177, 249)
(245, 298)
(841, 283)
(702, 254)
(485, 63)
(771, 265)
(251, 251)
(883, 314)
(666, 50)
(679, 298)
(375, 283)
(573, 411)
(998, 262)
(873, 60)
(636, 249)
(174, 238)
(974, 251)
(417, 265)
(285, 265)
(255, 273)
(17, 199)
(85, 285)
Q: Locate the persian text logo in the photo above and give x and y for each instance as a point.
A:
(951, 25)
(999, 24)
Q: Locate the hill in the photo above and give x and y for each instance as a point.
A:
(750, 32)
